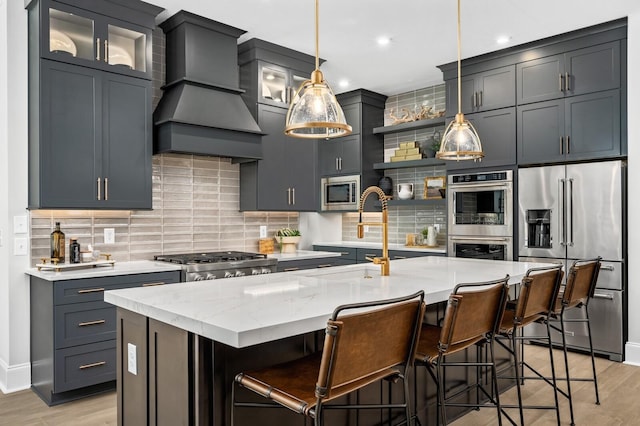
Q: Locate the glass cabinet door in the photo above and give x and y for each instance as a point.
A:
(274, 85)
(71, 35)
(126, 48)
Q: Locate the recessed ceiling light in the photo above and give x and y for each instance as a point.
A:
(343, 83)
(503, 39)
(383, 40)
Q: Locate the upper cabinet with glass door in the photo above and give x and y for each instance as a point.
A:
(82, 37)
(279, 85)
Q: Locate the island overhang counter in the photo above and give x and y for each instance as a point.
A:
(180, 346)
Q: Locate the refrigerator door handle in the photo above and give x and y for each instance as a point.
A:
(602, 296)
(570, 217)
(561, 212)
(607, 268)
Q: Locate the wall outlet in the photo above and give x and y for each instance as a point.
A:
(263, 231)
(20, 224)
(436, 226)
(20, 246)
(366, 228)
(132, 359)
(109, 235)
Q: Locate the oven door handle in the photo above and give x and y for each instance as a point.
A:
(496, 185)
(502, 240)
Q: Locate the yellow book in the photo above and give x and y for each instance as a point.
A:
(412, 151)
(413, 157)
(397, 158)
(405, 145)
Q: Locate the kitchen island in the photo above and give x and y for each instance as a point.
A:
(179, 347)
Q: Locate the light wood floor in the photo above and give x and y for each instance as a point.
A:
(619, 392)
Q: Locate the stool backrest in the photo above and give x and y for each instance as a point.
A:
(364, 345)
(474, 311)
(581, 282)
(538, 292)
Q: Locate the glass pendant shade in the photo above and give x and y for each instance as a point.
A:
(460, 141)
(314, 111)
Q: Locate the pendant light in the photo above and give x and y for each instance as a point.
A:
(460, 140)
(314, 111)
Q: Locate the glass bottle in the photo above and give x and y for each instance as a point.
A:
(57, 244)
(74, 251)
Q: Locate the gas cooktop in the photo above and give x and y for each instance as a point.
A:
(220, 264)
(209, 257)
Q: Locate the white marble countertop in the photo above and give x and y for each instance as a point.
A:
(366, 244)
(303, 254)
(119, 268)
(255, 309)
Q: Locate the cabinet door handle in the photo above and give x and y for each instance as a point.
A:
(340, 163)
(153, 284)
(99, 193)
(561, 145)
(325, 265)
(475, 99)
(95, 364)
(290, 269)
(90, 290)
(480, 98)
(106, 50)
(88, 323)
(97, 49)
(568, 144)
(293, 196)
(561, 82)
(106, 189)
(289, 196)
(337, 164)
(567, 81)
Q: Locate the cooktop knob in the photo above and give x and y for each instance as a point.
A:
(265, 271)
(211, 276)
(256, 272)
(240, 274)
(198, 277)
(228, 274)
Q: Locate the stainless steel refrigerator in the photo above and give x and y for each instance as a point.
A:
(577, 211)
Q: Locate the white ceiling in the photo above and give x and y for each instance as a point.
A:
(423, 32)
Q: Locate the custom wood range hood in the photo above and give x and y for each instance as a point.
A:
(201, 110)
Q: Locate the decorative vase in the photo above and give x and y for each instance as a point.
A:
(288, 244)
(405, 191)
(386, 184)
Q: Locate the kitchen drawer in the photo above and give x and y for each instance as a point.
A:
(404, 254)
(349, 253)
(324, 262)
(84, 365)
(363, 253)
(92, 289)
(82, 323)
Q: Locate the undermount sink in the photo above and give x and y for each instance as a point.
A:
(351, 273)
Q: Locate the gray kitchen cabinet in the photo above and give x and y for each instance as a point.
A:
(73, 333)
(576, 128)
(285, 178)
(349, 254)
(91, 144)
(497, 131)
(483, 91)
(90, 112)
(111, 36)
(321, 262)
(356, 153)
(591, 69)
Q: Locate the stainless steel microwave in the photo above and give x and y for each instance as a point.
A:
(340, 193)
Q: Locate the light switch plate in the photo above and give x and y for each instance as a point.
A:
(132, 360)
(109, 235)
(20, 246)
(20, 224)
(263, 231)
(0, 237)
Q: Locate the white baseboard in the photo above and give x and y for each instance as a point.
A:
(14, 378)
(632, 353)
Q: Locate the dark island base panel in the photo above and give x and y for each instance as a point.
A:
(187, 379)
(52, 399)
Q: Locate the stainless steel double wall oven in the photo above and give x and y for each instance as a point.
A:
(480, 209)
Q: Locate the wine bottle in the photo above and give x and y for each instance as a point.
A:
(57, 244)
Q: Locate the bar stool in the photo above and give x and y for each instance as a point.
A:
(580, 288)
(536, 301)
(473, 315)
(360, 348)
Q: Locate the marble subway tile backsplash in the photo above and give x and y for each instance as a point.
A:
(195, 208)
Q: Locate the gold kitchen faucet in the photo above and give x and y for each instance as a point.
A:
(384, 260)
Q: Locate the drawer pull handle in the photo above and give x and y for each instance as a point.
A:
(370, 254)
(290, 269)
(95, 364)
(344, 252)
(399, 257)
(96, 322)
(152, 284)
(326, 265)
(90, 290)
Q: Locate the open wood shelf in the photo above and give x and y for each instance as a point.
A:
(410, 163)
(412, 125)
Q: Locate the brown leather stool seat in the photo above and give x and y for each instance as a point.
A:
(359, 349)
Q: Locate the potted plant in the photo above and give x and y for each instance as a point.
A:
(288, 238)
(433, 145)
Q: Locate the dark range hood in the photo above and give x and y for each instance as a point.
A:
(201, 110)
